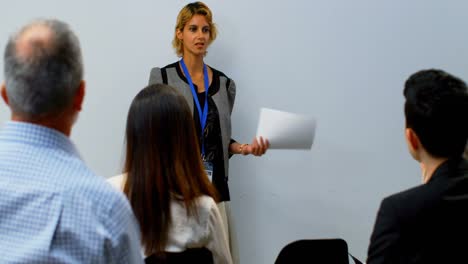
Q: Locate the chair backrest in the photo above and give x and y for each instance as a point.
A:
(193, 255)
(321, 251)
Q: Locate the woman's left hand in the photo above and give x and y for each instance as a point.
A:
(257, 148)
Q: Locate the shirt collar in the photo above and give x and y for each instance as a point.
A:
(37, 135)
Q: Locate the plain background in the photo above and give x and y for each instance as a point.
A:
(342, 62)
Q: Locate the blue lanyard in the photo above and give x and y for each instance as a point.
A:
(202, 115)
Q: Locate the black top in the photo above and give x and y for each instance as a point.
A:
(211, 138)
(191, 255)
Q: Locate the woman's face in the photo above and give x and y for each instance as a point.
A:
(195, 35)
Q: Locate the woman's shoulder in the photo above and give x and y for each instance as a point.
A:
(207, 212)
(219, 73)
(205, 207)
(167, 74)
(205, 203)
(168, 66)
(171, 65)
(117, 181)
(224, 81)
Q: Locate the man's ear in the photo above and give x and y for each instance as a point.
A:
(4, 93)
(79, 96)
(414, 144)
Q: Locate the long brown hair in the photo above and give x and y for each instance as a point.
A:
(162, 162)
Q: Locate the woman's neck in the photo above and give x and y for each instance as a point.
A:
(194, 64)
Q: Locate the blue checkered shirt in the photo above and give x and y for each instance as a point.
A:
(53, 209)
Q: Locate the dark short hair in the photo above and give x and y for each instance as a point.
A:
(436, 108)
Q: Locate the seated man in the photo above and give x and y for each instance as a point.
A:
(429, 223)
(53, 209)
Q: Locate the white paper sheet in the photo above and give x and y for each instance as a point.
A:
(286, 130)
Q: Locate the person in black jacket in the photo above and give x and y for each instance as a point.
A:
(429, 223)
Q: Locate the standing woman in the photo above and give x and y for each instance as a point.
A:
(210, 93)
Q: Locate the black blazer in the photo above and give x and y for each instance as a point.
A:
(425, 224)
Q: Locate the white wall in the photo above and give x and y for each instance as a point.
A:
(343, 62)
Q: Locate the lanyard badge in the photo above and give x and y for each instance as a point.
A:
(203, 115)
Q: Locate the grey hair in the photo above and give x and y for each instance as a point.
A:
(45, 81)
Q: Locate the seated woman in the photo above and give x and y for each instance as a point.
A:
(165, 181)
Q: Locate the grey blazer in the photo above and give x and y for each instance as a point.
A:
(224, 99)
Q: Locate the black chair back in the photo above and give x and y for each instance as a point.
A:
(320, 251)
(192, 255)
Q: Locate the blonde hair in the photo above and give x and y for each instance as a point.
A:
(190, 10)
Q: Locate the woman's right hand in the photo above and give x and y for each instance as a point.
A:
(257, 148)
